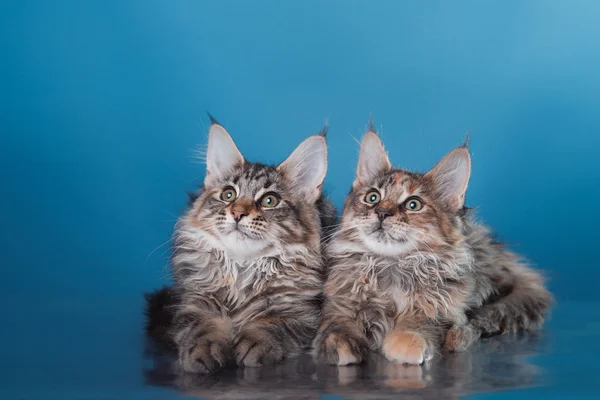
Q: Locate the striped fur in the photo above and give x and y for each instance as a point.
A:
(248, 277)
(409, 282)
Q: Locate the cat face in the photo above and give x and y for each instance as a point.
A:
(392, 212)
(249, 209)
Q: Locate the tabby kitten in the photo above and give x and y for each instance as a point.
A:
(410, 272)
(247, 263)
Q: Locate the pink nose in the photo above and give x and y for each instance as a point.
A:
(239, 213)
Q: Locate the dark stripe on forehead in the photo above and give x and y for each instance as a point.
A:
(255, 176)
(386, 179)
(402, 176)
(258, 171)
(391, 179)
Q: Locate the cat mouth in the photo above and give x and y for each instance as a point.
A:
(379, 229)
(245, 232)
(238, 231)
(381, 234)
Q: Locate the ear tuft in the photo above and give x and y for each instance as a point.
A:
(306, 167)
(466, 141)
(212, 119)
(222, 156)
(323, 131)
(373, 159)
(371, 125)
(450, 177)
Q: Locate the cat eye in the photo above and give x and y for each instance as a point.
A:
(270, 200)
(228, 194)
(373, 197)
(413, 204)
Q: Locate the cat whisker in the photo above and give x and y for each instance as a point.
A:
(326, 240)
(276, 239)
(158, 247)
(433, 256)
(171, 214)
(338, 232)
(431, 252)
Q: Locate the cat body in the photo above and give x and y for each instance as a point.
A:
(410, 272)
(247, 264)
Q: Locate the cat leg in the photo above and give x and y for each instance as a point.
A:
(413, 340)
(340, 341)
(203, 339)
(460, 337)
(279, 331)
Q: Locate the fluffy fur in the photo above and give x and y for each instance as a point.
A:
(410, 271)
(247, 263)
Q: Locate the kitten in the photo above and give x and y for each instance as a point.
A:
(409, 271)
(247, 263)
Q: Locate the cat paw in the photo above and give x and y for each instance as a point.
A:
(405, 347)
(205, 355)
(253, 348)
(341, 349)
(458, 338)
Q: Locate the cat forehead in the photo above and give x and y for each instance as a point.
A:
(401, 180)
(257, 176)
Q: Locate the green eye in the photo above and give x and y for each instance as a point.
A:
(413, 204)
(228, 194)
(270, 200)
(373, 197)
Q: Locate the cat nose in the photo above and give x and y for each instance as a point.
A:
(239, 213)
(383, 213)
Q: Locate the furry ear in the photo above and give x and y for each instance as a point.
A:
(450, 177)
(373, 159)
(222, 155)
(306, 167)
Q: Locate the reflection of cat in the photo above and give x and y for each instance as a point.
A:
(247, 260)
(492, 364)
(409, 271)
(498, 363)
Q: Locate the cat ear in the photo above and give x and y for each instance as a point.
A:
(222, 155)
(373, 159)
(450, 177)
(306, 167)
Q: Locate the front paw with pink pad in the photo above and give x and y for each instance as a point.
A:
(405, 347)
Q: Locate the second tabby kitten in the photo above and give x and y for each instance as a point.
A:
(409, 270)
(247, 261)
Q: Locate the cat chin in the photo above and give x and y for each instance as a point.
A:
(241, 247)
(387, 247)
(235, 244)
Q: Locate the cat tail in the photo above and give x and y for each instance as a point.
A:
(523, 308)
(160, 312)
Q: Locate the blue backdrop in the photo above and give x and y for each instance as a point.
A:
(102, 104)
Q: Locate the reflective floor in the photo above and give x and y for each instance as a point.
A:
(527, 365)
(97, 351)
(497, 364)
